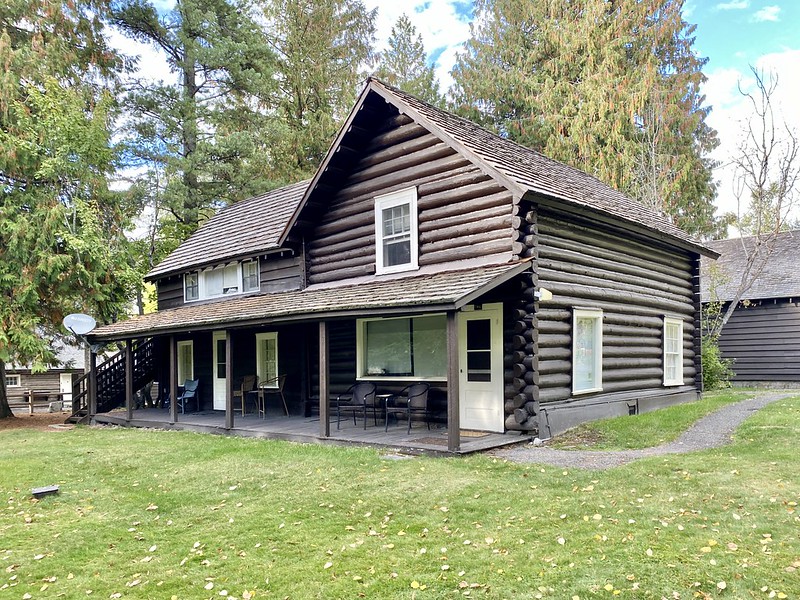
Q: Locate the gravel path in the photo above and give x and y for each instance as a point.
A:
(711, 431)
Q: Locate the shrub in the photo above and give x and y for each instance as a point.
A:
(717, 371)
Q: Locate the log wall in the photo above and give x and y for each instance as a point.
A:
(633, 281)
(462, 212)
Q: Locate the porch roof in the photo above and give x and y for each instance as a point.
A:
(438, 291)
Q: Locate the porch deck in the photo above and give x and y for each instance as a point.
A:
(307, 430)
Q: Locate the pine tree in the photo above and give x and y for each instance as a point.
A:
(405, 64)
(62, 248)
(204, 138)
(612, 88)
(324, 48)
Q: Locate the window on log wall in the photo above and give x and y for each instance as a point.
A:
(587, 350)
(267, 359)
(13, 381)
(673, 351)
(396, 237)
(225, 280)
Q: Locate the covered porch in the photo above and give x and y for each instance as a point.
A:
(307, 430)
(315, 335)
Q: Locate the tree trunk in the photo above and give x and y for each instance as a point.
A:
(5, 409)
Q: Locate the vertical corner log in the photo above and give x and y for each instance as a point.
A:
(697, 338)
(453, 377)
(229, 381)
(173, 379)
(324, 380)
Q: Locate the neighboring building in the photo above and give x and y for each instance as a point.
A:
(419, 252)
(763, 334)
(54, 383)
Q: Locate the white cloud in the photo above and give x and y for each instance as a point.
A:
(731, 110)
(768, 13)
(733, 5)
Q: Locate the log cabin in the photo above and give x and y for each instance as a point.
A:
(529, 295)
(762, 336)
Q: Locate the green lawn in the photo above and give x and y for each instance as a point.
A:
(147, 514)
(647, 429)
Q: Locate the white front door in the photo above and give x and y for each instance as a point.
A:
(480, 334)
(65, 387)
(219, 370)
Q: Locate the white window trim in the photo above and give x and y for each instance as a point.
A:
(679, 322)
(16, 377)
(190, 345)
(272, 335)
(592, 313)
(202, 287)
(382, 202)
(361, 327)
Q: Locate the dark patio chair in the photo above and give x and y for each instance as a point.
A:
(189, 394)
(359, 399)
(248, 385)
(412, 400)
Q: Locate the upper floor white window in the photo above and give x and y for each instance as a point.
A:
(234, 278)
(13, 380)
(396, 235)
(673, 351)
(587, 350)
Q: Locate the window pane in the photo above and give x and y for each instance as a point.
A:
(250, 276)
(267, 356)
(230, 279)
(479, 365)
(396, 251)
(430, 346)
(585, 353)
(185, 362)
(479, 334)
(221, 353)
(192, 290)
(214, 282)
(388, 347)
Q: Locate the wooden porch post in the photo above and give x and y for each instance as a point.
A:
(453, 377)
(129, 380)
(173, 379)
(92, 383)
(324, 372)
(228, 382)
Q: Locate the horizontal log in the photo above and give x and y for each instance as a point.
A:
(364, 246)
(553, 395)
(611, 362)
(631, 384)
(430, 256)
(631, 374)
(555, 326)
(590, 234)
(452, 235)
(547, 367)
(527, 378)
(341, 274)
(553, 352)
(552, 380)
(413, 159)
(631, 300)
(547, 340)
(634, 332)
(512, 425)
(461, 193)
(468, 175)
(625, 342)
(364, 233)
(397, 150)
(460, 214)
(553, 314)
(395, 136)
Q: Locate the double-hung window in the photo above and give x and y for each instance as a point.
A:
(13, 380)
(225, 280)
(673, 351)
(191, 286)
(587, 350)
(396, 237)
(185, 361)
(267, 359)
(250, 282)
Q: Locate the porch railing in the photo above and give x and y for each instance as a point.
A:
(111, 380)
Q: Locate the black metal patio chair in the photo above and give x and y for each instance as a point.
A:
(412, 400)
(358, 400)
(189, 393)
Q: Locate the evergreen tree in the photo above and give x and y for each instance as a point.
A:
(405, 63)
(609, 87)
(62, 248)
(324, 48)
(204, 138)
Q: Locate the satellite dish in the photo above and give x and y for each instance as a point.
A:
(79, 324)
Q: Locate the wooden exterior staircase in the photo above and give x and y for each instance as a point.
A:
(111, 381)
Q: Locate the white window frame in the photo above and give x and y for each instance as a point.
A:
(185, 296)
(261, 359)
(361, 367)
(181, 375)
(203, 285)
(391, 200)
(16, 377)
(673, 322)
(597, 315)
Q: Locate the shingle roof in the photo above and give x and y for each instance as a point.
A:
(534, 172)
(244, 228)
(443, 290)
(779, 279)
